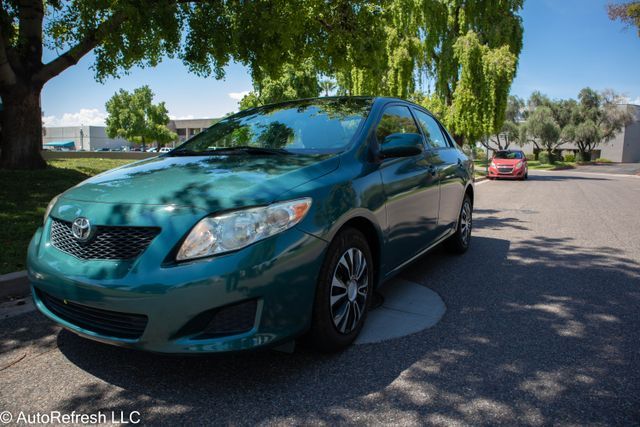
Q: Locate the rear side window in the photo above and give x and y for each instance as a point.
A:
(431, 129)
(396, 119)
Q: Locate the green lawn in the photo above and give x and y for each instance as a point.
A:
(24, 196)
(534, 164)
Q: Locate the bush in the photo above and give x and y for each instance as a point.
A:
(545, 158)
(603, 160)
(570, 158)
(480, 155)
(530, 156)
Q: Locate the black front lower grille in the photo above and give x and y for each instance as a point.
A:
(505, 170)
(108, 242)
(224, 321)
(103, 322)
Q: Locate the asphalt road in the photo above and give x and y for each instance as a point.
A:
(542, 327)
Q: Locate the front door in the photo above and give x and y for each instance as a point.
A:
(412, 193)
(445, 157)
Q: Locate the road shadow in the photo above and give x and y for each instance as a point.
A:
(548, 177)
(536, 332)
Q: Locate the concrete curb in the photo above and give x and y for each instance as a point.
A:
(14, 285)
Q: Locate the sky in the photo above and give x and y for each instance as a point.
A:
(568, 45)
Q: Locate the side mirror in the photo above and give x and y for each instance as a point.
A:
(401, 145)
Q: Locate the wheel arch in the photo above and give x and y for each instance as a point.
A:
(469, 192)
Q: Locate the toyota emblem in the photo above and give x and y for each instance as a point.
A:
(81, 229)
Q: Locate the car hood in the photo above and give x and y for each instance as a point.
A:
(212, 183)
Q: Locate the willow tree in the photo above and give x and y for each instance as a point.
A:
(465, 51)
(206, 35)
(291, 82)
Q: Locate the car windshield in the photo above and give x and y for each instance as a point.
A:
(508, 155)
(308, 126)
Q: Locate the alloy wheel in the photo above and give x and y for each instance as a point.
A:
(465, 222)
(349, 288)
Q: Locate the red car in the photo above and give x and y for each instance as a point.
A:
(510, 164)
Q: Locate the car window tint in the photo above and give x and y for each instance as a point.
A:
(396, 119)
(306, 126)
(431, 129)
(509, 155)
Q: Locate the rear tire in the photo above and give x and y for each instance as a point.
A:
(459, 242)
(343, 292)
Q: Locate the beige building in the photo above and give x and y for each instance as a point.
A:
(186, 128)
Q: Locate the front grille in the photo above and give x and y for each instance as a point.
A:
(109, 242)
(103, 322)
(505, 170)
(218, 322)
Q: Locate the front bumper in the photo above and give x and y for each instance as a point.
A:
(512, 174)
(278, 273)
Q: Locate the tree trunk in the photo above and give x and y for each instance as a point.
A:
(21, 128)
(585, 155)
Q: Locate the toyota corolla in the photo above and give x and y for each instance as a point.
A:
(274, 223)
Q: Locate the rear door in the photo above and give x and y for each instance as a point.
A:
(411, 189)
(443, 154)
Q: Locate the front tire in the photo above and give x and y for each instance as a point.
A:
(343, 293)
(459, 242)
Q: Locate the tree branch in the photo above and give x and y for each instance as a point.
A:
(84, 46)
(30, 15)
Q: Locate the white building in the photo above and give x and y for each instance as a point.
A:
(87, 138)
(92, 138)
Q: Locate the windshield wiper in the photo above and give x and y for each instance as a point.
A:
(244, 149)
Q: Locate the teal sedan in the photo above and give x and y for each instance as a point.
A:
(275, 223)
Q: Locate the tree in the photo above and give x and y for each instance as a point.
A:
(595, 119)
(629, 13)
(205, 34)
(293, 82)
(327, 86)
(448, 44)
(133, 116)
(478, 104)
(542, 126)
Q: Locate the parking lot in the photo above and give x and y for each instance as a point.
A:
(542, 326)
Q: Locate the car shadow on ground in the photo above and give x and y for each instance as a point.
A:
(559, 177)
(533, 334)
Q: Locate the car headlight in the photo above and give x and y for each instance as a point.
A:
(519, 164)
(50, 206)
(493, 164)
(235, 230)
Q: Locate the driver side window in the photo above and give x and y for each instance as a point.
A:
(396, 119)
